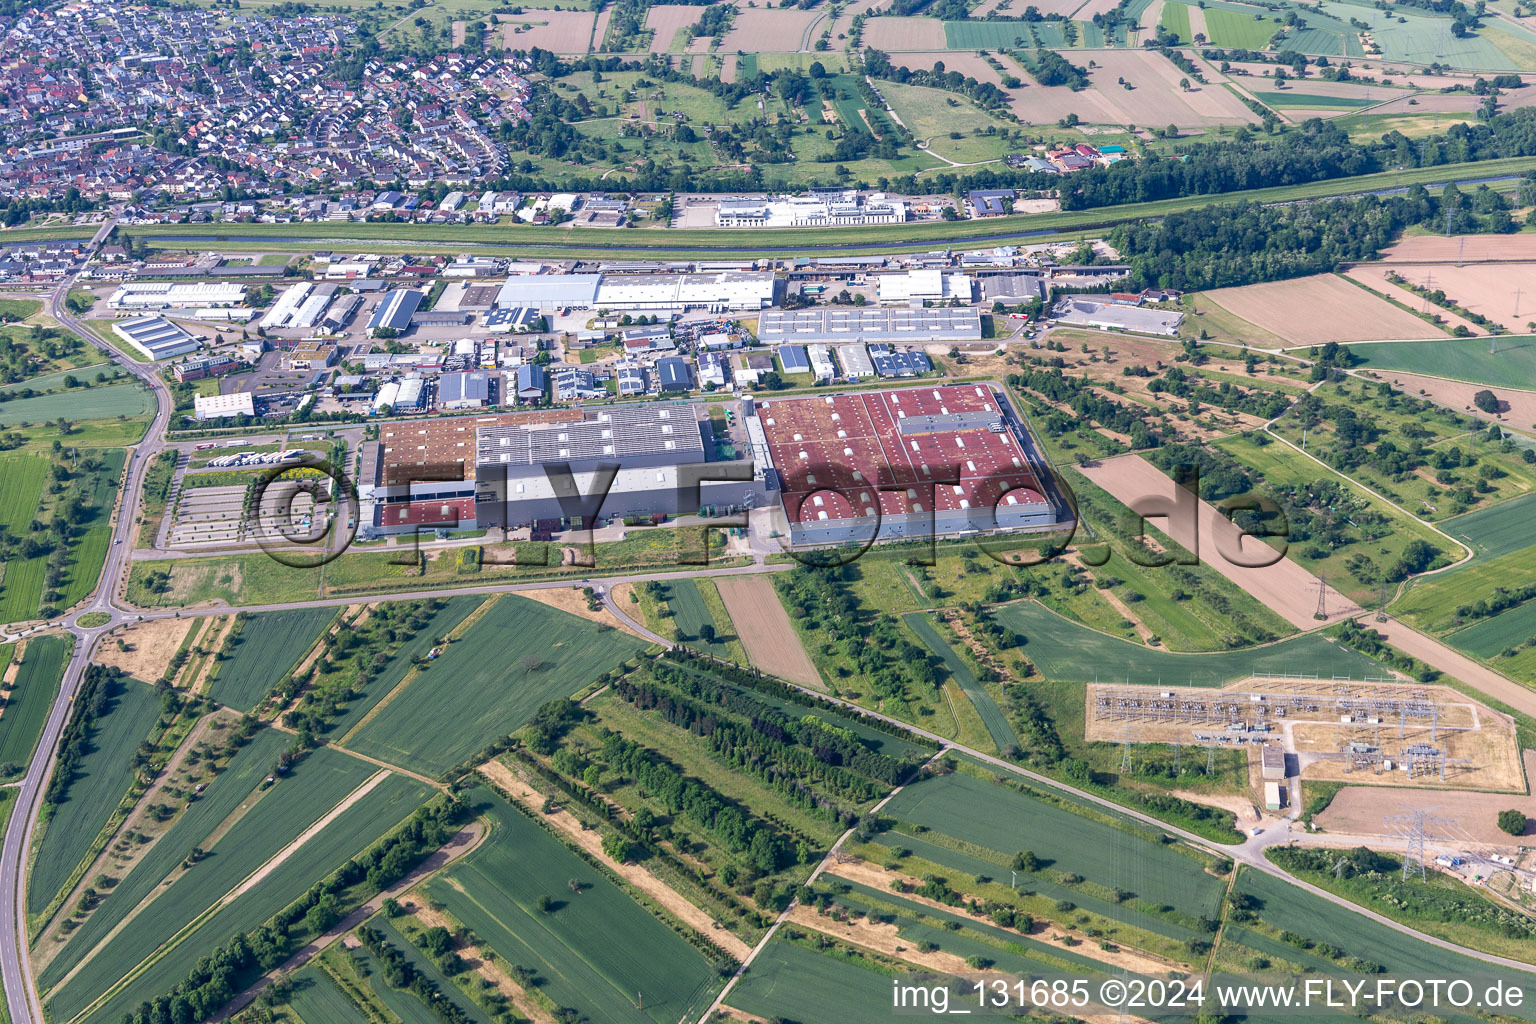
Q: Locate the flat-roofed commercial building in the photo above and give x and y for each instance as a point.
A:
(394, 311)
(545, 292)
(156, 337)
(870, 325)
(213, 407)
(897, 464)
(166, 295)
(649, 448)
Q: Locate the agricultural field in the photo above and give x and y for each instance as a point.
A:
(100, 780)
(1002, 734)
(790, 981)
(1495, 531)
(265, 649)
(88, 551)
(335, 803)
(933, 115)
(520, 655)
(346, 834)
(1154, 96)
(1064, 650)
(1318, 309)
(691, 617)
(33, 679)
(597, 950)
(770, 641)
(1084, 867)
(1432, 603)
(1231, 27)
(21, 488)
(1510, 363)
(1176, 20)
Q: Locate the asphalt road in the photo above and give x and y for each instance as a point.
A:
(15, 967)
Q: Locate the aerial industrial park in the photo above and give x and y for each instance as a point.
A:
(644, 513)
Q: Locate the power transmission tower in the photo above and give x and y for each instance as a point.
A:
(1125, 749)
(1413, 827)
(1429, 284)
(1382, 593)
(1322, 597)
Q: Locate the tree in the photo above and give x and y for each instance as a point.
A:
(1487, 401)
(1512, 822)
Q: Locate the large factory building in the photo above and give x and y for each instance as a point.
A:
(898, 464)
(490, 471)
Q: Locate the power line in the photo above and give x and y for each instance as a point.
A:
(1413, 827)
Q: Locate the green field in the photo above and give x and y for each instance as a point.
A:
(1063, 650)
(454, 610)
(992, 716)
(1485, 638)
(1226, 27)
(269, 823)
(1431, 603)
(1176, 20)
(101, 779)
(21, 488)
(88, 551)
(27, 705)
(130, 400)
(232, 787)
(471, 1014)
(317, 1000)
(598, 951)
(690, 614)
(1288, 908)
(1500, 530)
(932, 114)
(985, 35)
(791, 983)
(1512, 366)
(352, 832)
(1003, 820)
(520, 655)
(269, 646)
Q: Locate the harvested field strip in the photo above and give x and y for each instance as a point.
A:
(1099, 852)
(268, 647)
(770, 641)
(1495, 531)
(992, 716)
(233, 786)
(790, 982)
(101, 780)
(1064, 650)
(490, 682)
(1321, 308)
(352, 832)
(596, 949)
(37, 679)
(316, 784)
(443, 621)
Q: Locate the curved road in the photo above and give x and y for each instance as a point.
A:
(15, 967)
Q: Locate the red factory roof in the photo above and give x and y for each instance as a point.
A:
(434, 512)
(831, 453)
